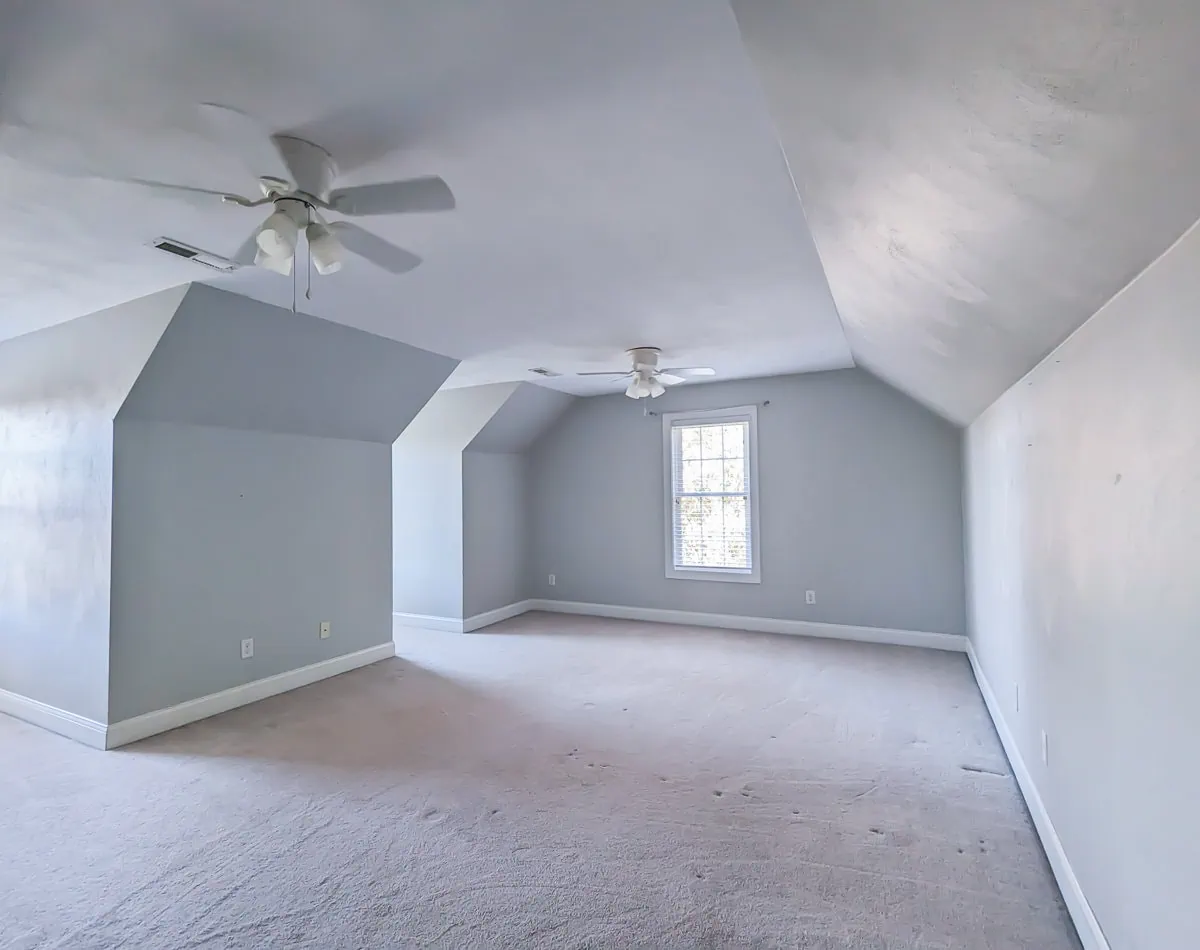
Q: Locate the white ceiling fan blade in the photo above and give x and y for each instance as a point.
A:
(615, 372)
(373, 248)
(247, 139)
(207, 196)
(668, 379)
(689, 371)
(429, 193)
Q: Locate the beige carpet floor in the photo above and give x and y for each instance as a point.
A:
(550, 783)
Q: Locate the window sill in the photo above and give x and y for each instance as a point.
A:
(713, 574)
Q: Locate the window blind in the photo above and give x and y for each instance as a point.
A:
(710, 496)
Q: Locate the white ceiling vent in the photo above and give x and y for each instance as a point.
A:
(187, 252)
(542, 371)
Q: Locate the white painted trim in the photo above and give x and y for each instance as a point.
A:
(162, 720)
(479, 621)
(1077, 904)
(803, 628)
(53, 719)
(427, 622)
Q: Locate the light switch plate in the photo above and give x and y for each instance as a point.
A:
(325, 629)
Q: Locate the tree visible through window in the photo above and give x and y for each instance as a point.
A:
(711, 493)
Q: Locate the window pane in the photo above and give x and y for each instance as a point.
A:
(735, 475)
(689, 442)
(714, 475)
(691, 522)
(712, 532)
(738, 554)
(734, 516)
(734, 438)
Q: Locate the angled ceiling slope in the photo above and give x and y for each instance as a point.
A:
(453, 417)
(227, 360)
(88, 365)
(521, 420)
(617, 171)
(981, 177)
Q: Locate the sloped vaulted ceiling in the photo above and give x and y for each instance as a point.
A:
(981, 177)
(978, 176)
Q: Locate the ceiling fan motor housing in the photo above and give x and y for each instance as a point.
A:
(644, 358)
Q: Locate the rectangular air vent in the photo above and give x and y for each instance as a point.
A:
(542, 371)
(187, 252)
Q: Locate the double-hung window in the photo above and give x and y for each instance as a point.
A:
(711, 467)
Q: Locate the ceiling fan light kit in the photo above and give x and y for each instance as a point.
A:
(326, 250)
(645, 386)
(280, 265)
(280, 233)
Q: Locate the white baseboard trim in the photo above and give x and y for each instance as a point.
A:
(467, 624)
(426, 622)
(480, 621)
(1077, 904)
(53, 719)
(804, 628)
(163, 720)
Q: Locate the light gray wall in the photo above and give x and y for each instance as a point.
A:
(860, 495)
(227, 360)
(427, 532)
(253, 481)
(59, 391)
(1083, 498)
(495, 530)
(427, 499)
(221, 534)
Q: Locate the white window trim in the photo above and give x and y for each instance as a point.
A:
(708, 416)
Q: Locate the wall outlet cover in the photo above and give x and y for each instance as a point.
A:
(550, 580)
(247, 648)
(326, 629)
(810, 596)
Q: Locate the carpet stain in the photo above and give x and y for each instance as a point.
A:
(980, 770)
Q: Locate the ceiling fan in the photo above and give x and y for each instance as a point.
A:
(296, 178)
(647, 380)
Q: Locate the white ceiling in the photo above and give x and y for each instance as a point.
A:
(619, 176)
(981, 176)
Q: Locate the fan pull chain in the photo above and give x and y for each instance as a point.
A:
(308, 291)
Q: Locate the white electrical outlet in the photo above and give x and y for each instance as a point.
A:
(325, 630)
(1045, 748)
(810, 596)
(247, 648)
(551, 580)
